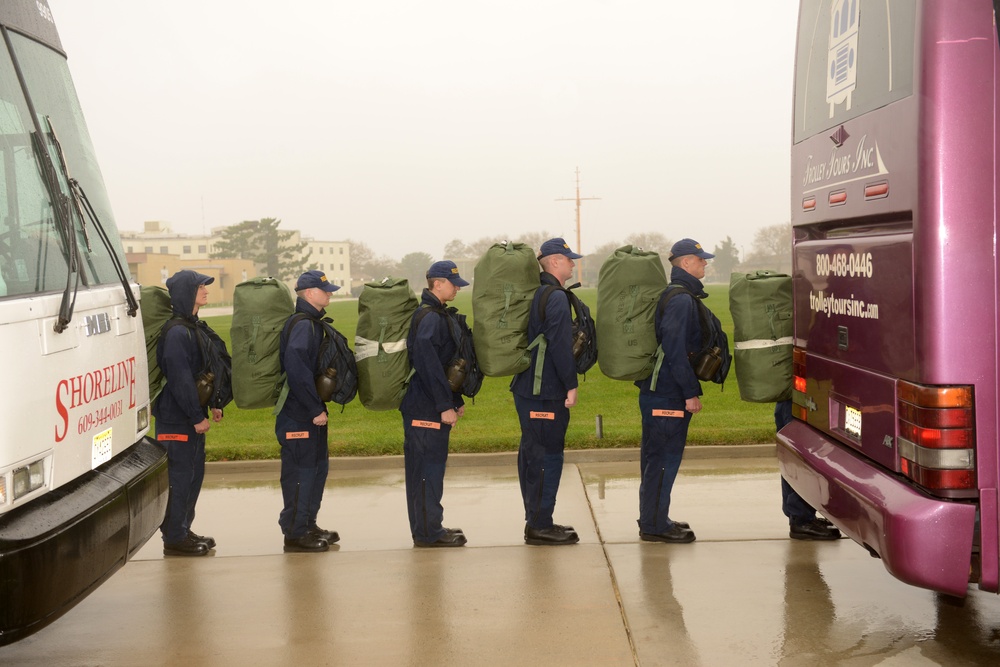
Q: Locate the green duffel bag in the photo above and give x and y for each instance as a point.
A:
(763, 330)
(154, 305)
(504, 283)
(629, 286)
(385, 309)
(260, 308)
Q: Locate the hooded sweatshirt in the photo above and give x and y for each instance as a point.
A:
(179, 356)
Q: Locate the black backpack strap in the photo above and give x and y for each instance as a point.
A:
(423, 311)
(546, 292)
(192, 330)
(703, 316)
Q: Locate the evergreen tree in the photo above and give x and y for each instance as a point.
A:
(727, 258)
(271, 250)
(414, 267)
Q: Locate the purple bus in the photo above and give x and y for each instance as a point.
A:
(895, 213)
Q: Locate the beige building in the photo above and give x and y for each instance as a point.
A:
(157, 253)
(331, 257)
(154, 269)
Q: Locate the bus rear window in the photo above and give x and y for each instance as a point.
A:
(852, 57)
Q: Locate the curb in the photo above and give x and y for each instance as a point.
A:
(623, 455)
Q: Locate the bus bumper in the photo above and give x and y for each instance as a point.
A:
(56, 550)
(922, 541)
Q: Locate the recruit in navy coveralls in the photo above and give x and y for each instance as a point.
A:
(430, 408)
(544, 416)
(181, 420)
(667, 410)
(301, 425)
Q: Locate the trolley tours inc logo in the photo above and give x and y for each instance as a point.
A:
(95, 397)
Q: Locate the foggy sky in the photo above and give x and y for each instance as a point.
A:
(408, 124)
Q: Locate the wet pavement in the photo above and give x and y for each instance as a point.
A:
(743, 594)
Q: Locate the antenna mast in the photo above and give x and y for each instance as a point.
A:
(579, 247)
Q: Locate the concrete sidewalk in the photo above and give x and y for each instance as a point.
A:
(743, 594)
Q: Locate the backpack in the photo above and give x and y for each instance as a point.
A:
(157, 318)
(463, 372)
(584, 330)
(261, 306)
(504, 282)
(155, 309)
(714, 341)
(384, 311)
(335, 354)
(629, 287)
(763, 329)
(215, 358)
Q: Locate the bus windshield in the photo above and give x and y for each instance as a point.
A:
(34, 255)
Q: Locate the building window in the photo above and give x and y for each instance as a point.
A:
(129, 249)
(321, 250)
(202, 248)
(163, 250)
(341, 267)
(341, 251)
(187, 250)
(149, 249)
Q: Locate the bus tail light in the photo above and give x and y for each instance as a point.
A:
(799, 409)
(937, 436)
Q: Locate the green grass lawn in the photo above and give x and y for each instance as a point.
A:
(490, 424)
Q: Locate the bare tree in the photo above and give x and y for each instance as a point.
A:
(593, 262)
(773, 240)
(361, 254)
(479, 247)
(652, 241)
(457, 249)
(382, 266)
(535, 239)
(772, 249)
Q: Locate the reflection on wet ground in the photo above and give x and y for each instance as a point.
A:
(742, 594)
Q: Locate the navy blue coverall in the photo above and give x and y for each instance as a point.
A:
(305, 451)
(544, 417)
(798, 511)
(430, 346)
(177, 410)
(664, 417)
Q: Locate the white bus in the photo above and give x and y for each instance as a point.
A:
(81, 486)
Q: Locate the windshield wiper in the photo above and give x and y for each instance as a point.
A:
(60, 204)
(82, 204)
